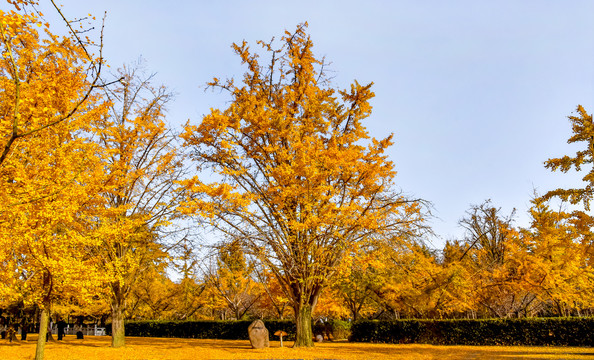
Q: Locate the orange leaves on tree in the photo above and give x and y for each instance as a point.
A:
(49, 169)
(583, 132)
(141, 166)
(297, 183)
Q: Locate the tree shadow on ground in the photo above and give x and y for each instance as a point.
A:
(173, 343)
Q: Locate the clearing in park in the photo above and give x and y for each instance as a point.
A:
(98, 348)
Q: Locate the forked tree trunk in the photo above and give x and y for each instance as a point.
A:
(43, 323)
(304, 336)
(118, 338)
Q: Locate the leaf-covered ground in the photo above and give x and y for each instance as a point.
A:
(98, 348)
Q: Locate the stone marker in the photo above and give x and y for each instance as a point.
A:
(258, 335)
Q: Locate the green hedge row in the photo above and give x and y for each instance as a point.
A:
(228, 330)
(333, 329)
(535, 332)
(531, 331)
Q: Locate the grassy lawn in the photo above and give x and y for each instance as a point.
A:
(97, 348)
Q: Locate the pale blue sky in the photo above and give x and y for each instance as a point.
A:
(476, 92)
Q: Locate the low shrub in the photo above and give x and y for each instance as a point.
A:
(531, 331)
(227, 330)
(333, 329)
(340, 329)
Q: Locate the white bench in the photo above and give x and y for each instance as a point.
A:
(86, 330)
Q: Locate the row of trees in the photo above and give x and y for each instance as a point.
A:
(497, 270)
(87, 171)
(92, 178)
(303, 202)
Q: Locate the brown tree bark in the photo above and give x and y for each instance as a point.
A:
(43, 323)
(118, 338)
(304, 336)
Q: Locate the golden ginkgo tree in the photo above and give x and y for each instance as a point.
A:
(48, 64)
(50, 172)
(296, 176)
(583, 133)
(582, 220)
(141, 165)
(231, 280)
(556, 260)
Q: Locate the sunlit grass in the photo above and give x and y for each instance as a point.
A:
(98, 348)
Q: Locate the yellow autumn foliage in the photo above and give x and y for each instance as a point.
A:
(301, 182)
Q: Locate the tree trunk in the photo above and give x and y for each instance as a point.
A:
(304, 336)
(117, 319)
(43, 323)
(24, 329)
(355, 312)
